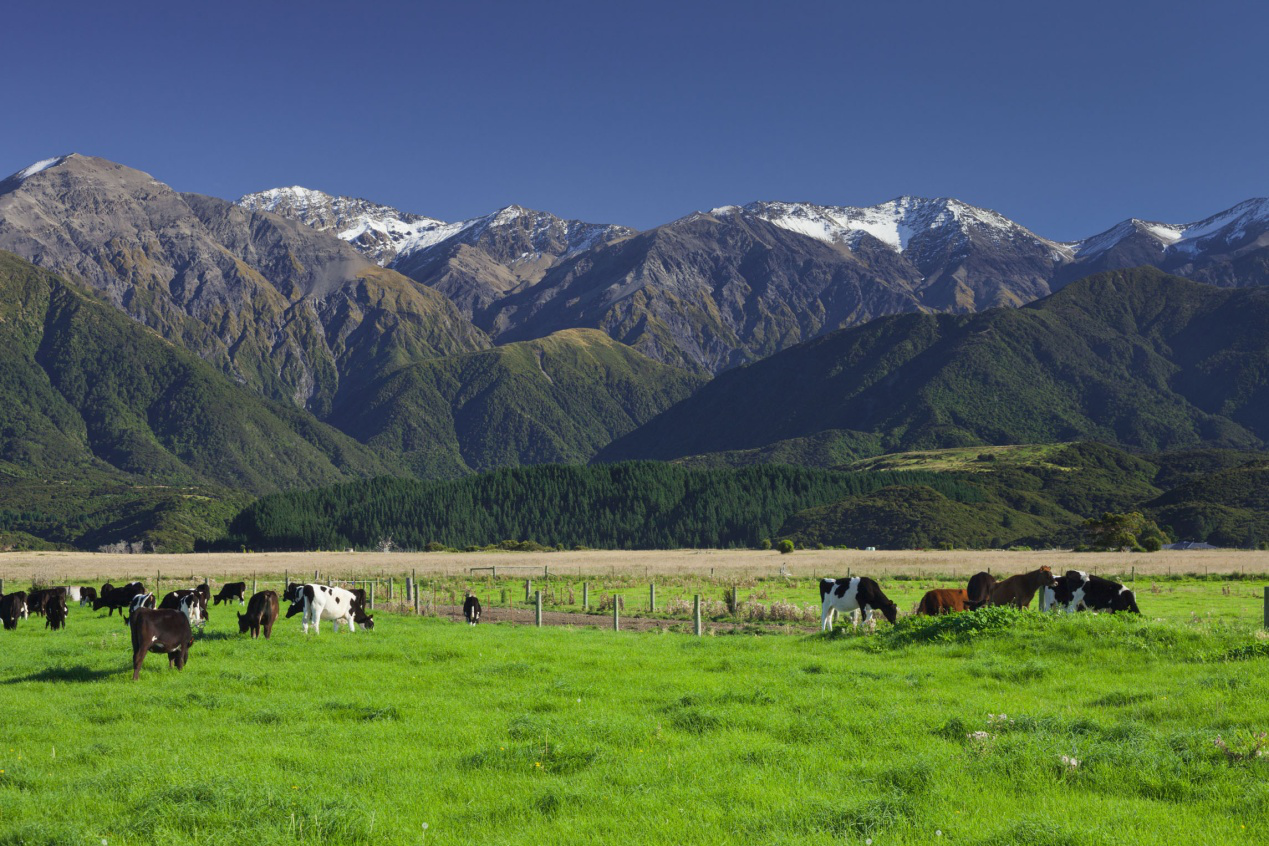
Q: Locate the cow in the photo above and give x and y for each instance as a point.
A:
(979, 590)
(161, 630)
(850, 595)
(1077, 589)
(87, 596)
(941, 601)
(322, 602)
(262, 612)
(359, 609)
(1019, 590)
(112, 597)
(141, 600)
(191, 603)
(55, 612)
(38, 600)
(471, 609)
(232, 590)
(12, 608)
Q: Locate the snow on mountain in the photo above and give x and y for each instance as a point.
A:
(1226, 228)
(895, 223)
(31, 170)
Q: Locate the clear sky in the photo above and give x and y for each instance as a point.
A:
(1067, 117)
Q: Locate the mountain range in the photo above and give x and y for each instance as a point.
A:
(294, 338)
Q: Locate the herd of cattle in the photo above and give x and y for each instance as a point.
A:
(1074, 591)
(167, 627)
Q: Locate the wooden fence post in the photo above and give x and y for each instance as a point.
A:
(528, 590)
(1, 585)
(390, 581)
(372, 595)
(1267, 607)
(286, 579)
(652, 596)
(253, 584)
(616, 612)
(696, 614)
(316, 576)
(585, 596)
(537, 608)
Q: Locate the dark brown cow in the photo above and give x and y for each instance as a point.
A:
(1019, 590)
(262, 612)
(979, 591)
(942, 601)
(117, 598)
(38, 600)
(87, 596)
(233, 590)
(161, 630)
(12, 608)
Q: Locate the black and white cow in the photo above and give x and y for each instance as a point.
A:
(231, 591)
(55, 612)
(471, 609)
(12, 608)
(141, 600)
(850, 595)
(117, 597)
(1077, 589)
(191, 603)
(322, 602)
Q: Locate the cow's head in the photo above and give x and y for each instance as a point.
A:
(890, 610)
(369, 622)
(243, 624)
(1126, 600)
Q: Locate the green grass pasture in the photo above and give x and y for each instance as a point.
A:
(510, 734)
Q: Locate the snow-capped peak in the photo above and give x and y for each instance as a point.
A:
(42, 165)
(1229, 226)
(894, 223)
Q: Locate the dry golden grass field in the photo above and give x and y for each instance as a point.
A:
(84, 567)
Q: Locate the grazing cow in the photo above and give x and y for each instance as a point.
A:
(1078, 589)
(162, 630)
(851, 595)
(233, 590)
(942, 601)
(471, 609)
(191, 603)
(1019, 590)
(141, 600)
(87, 596)
(979, 591)
(321, 602)
(55, 612)
(262, 612)
(112, 597)
(37, 601)
(360, 616)
(12, 608)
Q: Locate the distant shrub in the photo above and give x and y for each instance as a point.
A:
(786, 546)
(765, 543)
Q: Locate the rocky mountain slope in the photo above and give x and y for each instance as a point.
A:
(292, 312)
(1137, 358)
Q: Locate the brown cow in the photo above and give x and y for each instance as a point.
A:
(161, 630)
(262, 612)
(12, 608)
(1019, 590)
(942, 601)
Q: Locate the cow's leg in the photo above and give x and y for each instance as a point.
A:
(138, 658)
(352, 624)
(826, 618)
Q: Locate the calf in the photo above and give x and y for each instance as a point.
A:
(87, 596)
(262, 612)
(321, 602)
(55, 612)
(941, 601)
(112, 597)
(162, 630)
(12, 609)
(1077, 589)
(471, 609)
(140, 601)
(233, 590)
(191, 603)
(851, 595)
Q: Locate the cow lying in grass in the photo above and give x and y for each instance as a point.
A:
(160, 630)
(850, 595)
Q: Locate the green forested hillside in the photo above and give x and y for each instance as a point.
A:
(555, 399)
(1136, 358)
(87, 395)
(641, 505)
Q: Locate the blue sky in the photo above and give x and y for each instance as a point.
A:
(1066, 117)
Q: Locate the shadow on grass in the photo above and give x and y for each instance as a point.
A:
(65, 674)
(218, 636)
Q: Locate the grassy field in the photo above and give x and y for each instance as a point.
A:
(934, 731)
